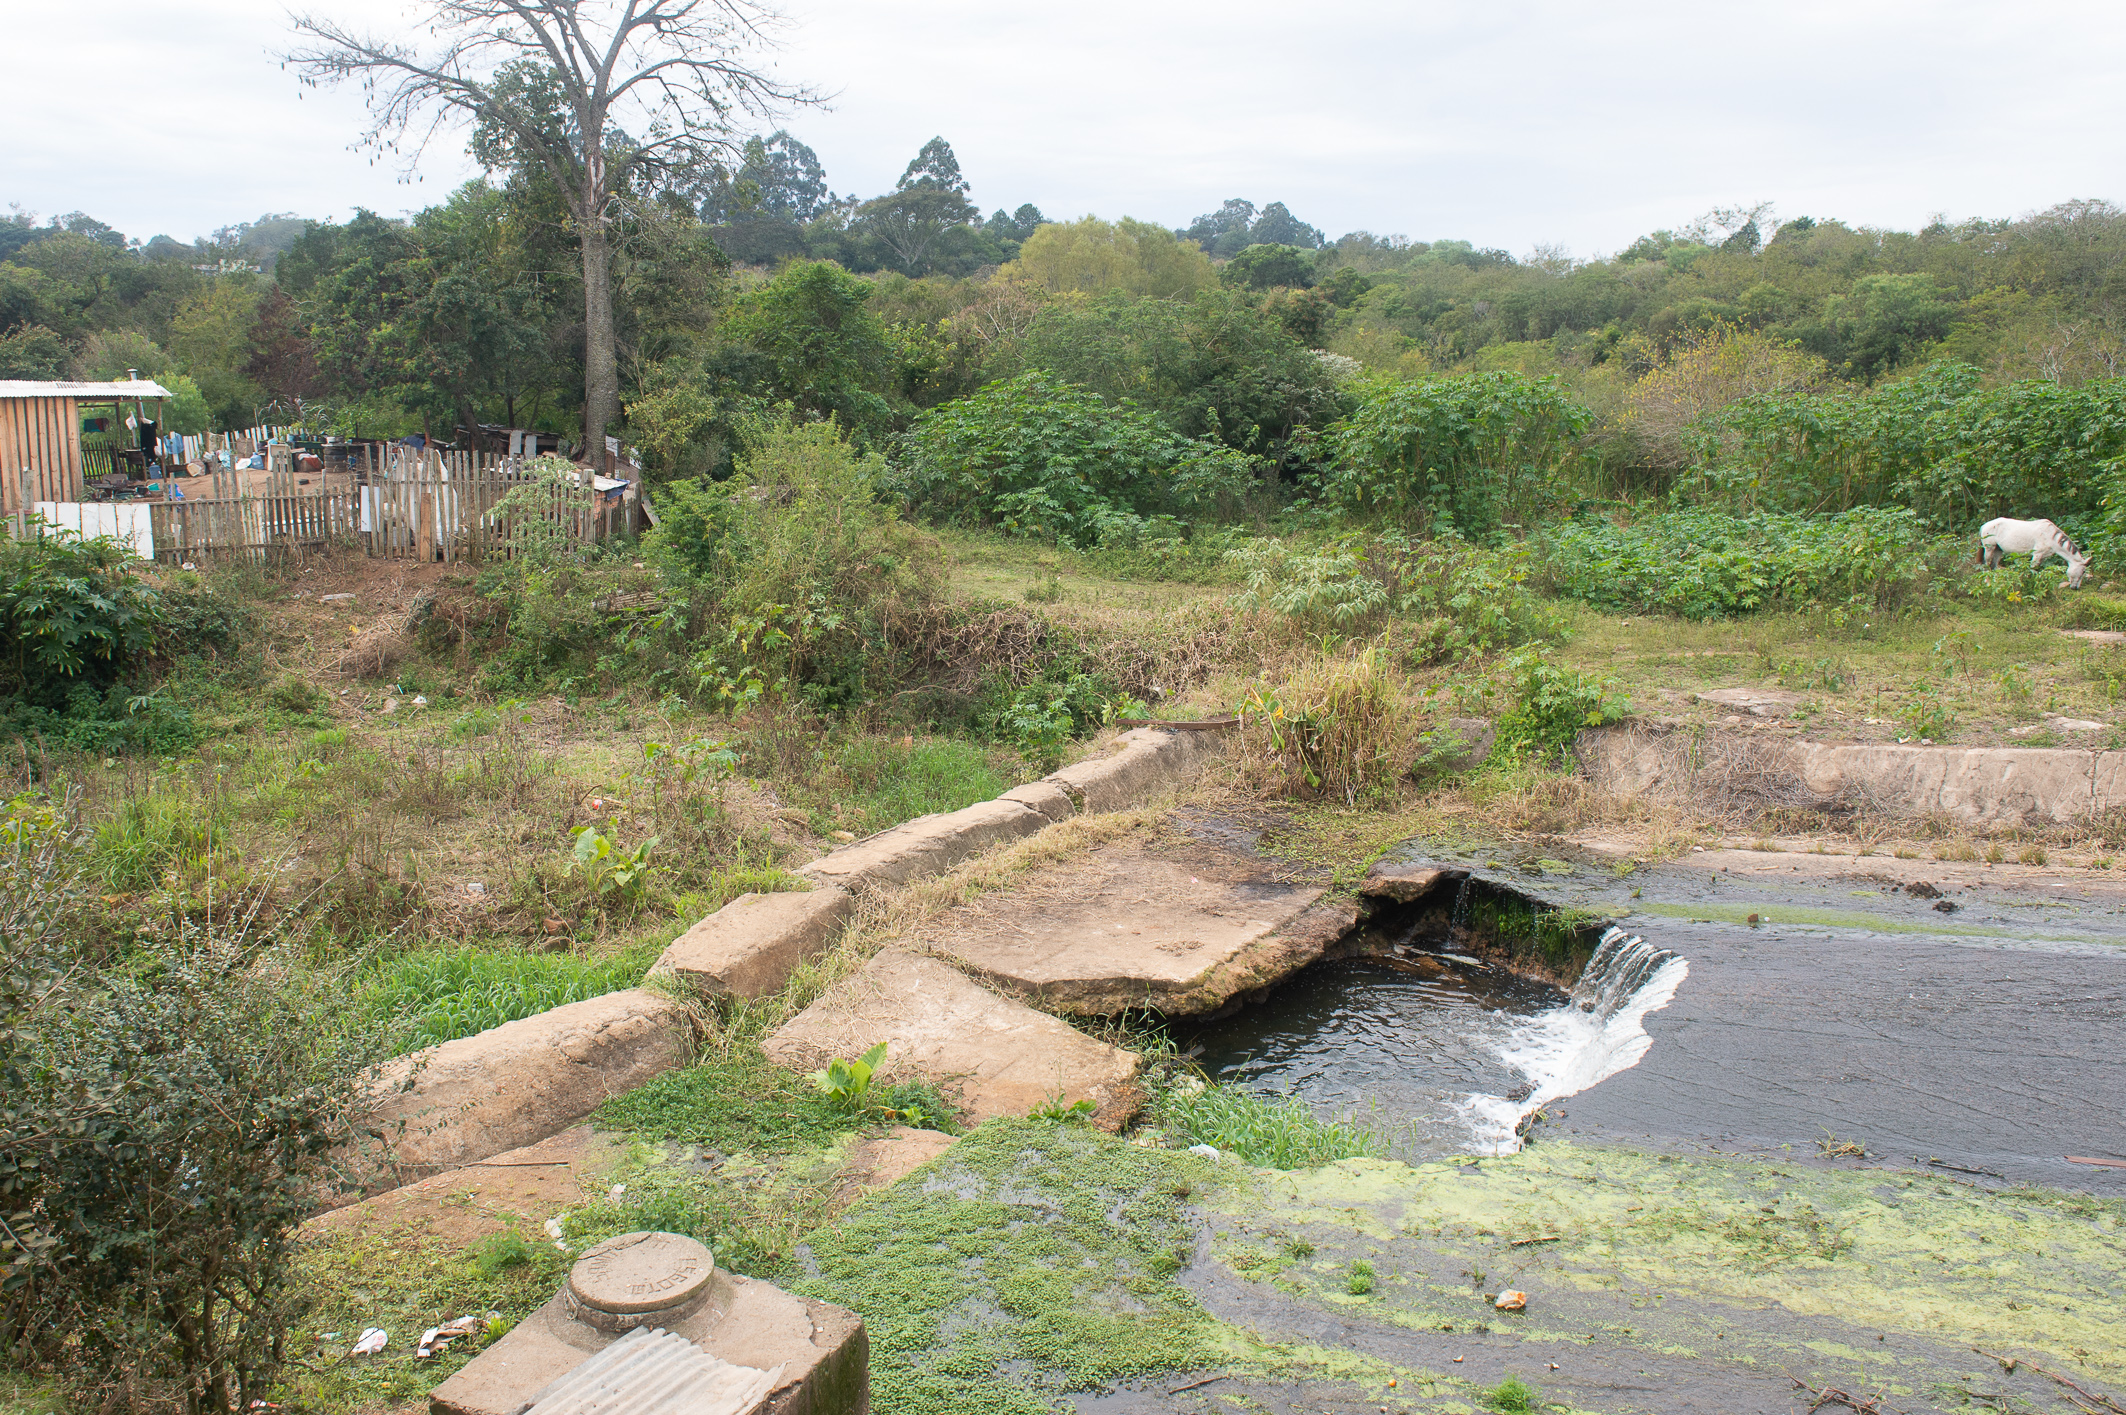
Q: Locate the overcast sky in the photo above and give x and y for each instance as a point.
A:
(1578, 125)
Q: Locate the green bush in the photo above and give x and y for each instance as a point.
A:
(1039, 457)
(1554, 704)
(165, 1128)
(72, 613)
(1709, 565)
(798, 573)
(1468, 602)
(1470, 455)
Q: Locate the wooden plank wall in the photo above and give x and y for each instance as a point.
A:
(40, 452)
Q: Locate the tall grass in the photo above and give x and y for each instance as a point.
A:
(866, 784)
(1343, 727)
(439, 994)
(1268, 1134)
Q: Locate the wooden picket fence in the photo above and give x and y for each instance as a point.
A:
(410, 504)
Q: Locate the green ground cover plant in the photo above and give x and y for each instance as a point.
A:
(1039, 1260)
(1273, 1134)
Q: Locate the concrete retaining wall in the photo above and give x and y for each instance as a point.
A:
(465, 1100)
(1984, 786)
(477, 1096)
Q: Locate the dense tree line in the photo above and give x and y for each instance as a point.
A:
(742, 285)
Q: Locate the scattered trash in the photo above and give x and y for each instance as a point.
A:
(1512, 1300)
(188, 565)
(1695, 850)
(332, 598)
(370, 1342)
(553, 1228)
(1457, 1360)
(436, 1338)
(618, 1190)
(475, 887)
(419, 701)
(1209, 1152)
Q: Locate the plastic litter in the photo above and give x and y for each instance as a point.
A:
(1209, 1152)
(370, 1342)
(436, 1339)
(1512, 1300)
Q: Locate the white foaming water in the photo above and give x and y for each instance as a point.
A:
(1597, 1033)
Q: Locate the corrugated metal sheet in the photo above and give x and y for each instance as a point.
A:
(652, 1372)
(37, 388)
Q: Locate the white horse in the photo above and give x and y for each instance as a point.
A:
(2004, 536)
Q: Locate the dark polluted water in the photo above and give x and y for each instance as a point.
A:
(1440, 1052)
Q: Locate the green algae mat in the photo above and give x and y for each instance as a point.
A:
(1035, 1267)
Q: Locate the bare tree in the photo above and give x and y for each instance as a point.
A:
(600, 93)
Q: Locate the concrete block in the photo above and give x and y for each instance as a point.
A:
(751, 946)
(1126, 927)
(1046, 797)
(475, 1097)
(1138, 764)
(823, 1351)
(1004, 1057)
(927, 845)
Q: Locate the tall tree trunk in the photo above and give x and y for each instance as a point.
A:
(601, 367)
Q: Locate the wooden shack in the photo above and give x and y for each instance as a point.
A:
(40, 434)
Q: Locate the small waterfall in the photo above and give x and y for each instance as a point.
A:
(1458, 918)
(1597, 1033)
(1621, 966)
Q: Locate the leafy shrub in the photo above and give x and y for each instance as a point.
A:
(1270, 1134)
(165, 1127)
(1512, 1396)
(1039, 457)
(1554, 704)
(1342, 728)
(1359, 1282)
(71, 613)
(1710, 565)
(1469, 602)
(799, 574)
(1468, 455)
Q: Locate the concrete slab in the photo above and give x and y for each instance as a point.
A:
(1175, 930)
(751, 946)
(469, 1099)
(927, 845)
(1136, 765)
(892, 1157)
(518, 1189)
(1002, 1057)
(823, 1351)
(1046, 797)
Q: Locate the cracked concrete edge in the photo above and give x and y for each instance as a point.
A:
(472, 1098)
(1978, 785)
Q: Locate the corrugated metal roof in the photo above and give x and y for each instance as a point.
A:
(653, 1372)
(125, 388)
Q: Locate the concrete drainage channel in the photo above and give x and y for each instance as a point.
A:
(1191, 929)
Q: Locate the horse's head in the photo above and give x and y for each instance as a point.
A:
(2077, 565)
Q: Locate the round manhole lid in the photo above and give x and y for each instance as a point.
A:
(642, 1272)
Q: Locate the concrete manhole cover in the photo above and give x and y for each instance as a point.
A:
(624, 1281)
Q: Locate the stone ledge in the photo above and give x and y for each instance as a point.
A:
(1139, 762)
(474, 1097)
(751, 946)
(1002, 1056)
(927, 845)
